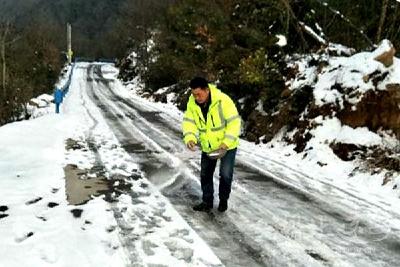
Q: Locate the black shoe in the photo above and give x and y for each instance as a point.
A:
(223, 205)
(203, 207)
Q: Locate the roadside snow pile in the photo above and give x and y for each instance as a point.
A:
(347, 79)
(349, 112)
(41, 105)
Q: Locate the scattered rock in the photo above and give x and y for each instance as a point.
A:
(3, 215)
(386, 57)
(345, 151)
(301, 139)
(73, 144)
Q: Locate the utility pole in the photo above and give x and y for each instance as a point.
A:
(69, 46)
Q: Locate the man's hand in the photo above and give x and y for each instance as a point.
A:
(191, 145)
(223, 147)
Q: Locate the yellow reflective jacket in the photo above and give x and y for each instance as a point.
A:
(222, 125)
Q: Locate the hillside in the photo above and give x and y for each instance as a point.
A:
(338, 113)
(343, 107)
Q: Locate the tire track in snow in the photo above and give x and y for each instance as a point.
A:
(255, 214)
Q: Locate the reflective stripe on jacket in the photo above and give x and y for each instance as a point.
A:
(222, 125)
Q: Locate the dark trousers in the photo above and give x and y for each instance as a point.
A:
(225, 172)
(57, 107)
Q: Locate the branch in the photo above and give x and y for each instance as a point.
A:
(313, 34)
(297, 24)
(351, 24)
(13, 40)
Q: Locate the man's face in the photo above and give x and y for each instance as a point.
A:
(200, 94)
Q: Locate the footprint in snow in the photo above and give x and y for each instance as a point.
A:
(77, 212)
(52, 204)
(33, 201)
(3, 208)
(23, 237)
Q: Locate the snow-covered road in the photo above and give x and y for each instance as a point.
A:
(108, 182)
(289, 219)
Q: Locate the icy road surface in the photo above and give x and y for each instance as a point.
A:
(277, 216)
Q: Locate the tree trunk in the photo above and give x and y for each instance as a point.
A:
(3, 67)
(295, 22)
(382, 20)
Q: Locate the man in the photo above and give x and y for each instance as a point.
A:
(211, 119)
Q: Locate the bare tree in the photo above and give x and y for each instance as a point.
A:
(382, 19)
(5, 40)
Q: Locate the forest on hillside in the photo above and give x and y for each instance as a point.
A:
(33, 41)
(235, 42)
(229, 41)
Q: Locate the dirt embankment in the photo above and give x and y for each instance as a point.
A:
(377, 110)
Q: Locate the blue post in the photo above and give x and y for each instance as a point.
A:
(58, 98)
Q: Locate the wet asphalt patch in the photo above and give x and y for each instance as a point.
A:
(84, 184)
(81, 187)
(80, 190)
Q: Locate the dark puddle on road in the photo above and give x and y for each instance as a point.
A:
(80, 187)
